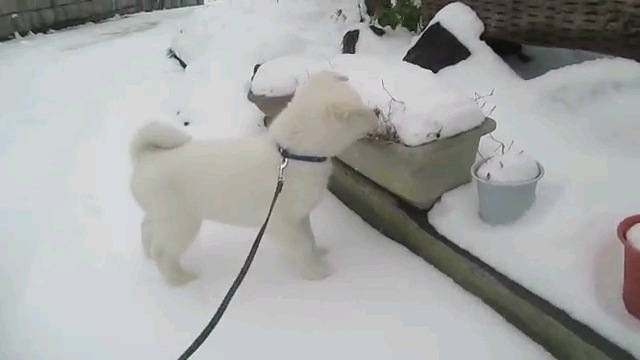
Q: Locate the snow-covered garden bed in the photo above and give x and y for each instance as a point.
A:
(416, 110)
(417, 107)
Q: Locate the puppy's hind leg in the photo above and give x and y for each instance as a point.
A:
(171, 237)
(146, 236)
(298, 245)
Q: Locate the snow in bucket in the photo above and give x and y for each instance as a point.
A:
(633, 236)
(512, 166)
(506, 185)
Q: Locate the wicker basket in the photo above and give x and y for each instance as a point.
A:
(609, 27)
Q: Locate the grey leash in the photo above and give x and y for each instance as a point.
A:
(243, 271)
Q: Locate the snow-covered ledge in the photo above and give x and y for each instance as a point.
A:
(429, 135)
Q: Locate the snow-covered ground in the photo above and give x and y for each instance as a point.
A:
(582, 122)
(74, 283)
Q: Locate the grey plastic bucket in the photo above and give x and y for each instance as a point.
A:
(504, 202)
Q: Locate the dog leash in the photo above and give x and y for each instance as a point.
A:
(252, 253)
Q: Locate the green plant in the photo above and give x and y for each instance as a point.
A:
(403, 13)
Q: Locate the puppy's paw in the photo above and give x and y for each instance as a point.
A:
(180, 278)
(321, 251)
(173, 273)
(317, 269)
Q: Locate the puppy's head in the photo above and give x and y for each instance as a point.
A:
(353, 118)
(324, 117)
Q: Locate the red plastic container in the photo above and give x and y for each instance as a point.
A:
(631, 287)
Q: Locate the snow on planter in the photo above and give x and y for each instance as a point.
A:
(633, 236)
(416, 105)
(451, 36)
(512, 166)
(461, 21)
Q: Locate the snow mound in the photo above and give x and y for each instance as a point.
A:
(415, 103)
(223, 41)
(461, 21)
(222, 26)
(393, 45)
(282, 76)
(633, 236)
(512, 166)
(268, 29)
(579, 83)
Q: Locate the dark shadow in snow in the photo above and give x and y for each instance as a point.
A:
(543, 59)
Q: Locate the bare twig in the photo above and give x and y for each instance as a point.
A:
(491, 111)
(502, 145)
(392, 99)
(477, 97)
(436, 134)
(388, 93)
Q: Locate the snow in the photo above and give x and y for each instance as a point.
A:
(283, 75)
(249, 33)
(512, 166)
(392, 45)
(633, 236)
(581, 123)
(418, 106)
(74, 282)
(461, 21)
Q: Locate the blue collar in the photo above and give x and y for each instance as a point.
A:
(312, 159)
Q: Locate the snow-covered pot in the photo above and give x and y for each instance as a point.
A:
(503, 202)
(631, 285)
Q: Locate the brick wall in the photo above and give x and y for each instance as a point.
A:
(22, 16)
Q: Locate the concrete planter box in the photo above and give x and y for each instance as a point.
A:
(419, 174)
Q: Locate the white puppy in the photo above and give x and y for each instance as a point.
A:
(179, 182)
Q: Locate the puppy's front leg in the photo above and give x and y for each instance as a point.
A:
(297, 243)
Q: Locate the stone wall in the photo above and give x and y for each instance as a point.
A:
(23, 16)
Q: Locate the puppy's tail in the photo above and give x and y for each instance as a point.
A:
(156, 136)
